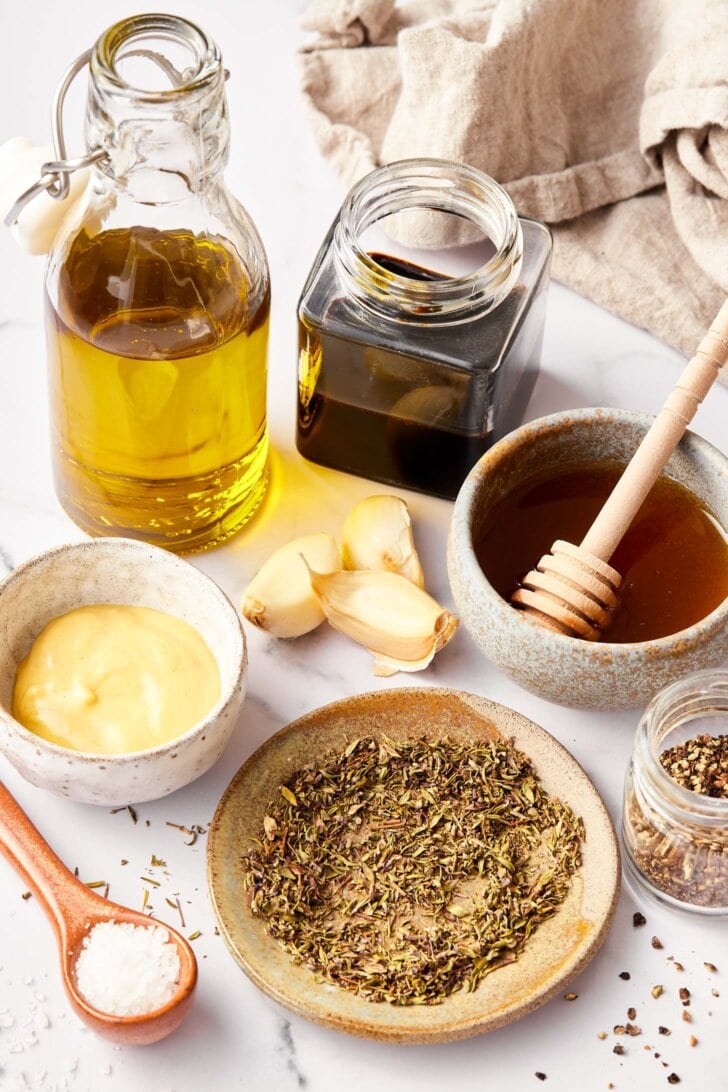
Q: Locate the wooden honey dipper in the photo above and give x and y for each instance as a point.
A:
(573, 589)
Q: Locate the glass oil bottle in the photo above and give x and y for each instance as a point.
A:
(157, 304)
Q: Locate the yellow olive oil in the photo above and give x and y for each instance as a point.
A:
(157, 373)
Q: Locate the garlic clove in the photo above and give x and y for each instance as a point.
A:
(279, 598)
(401, 625)
(378, 536)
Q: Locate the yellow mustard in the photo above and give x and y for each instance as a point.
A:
(110, 679)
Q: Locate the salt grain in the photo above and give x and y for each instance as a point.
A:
(127, 970)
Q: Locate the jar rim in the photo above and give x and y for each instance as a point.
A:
(429, 184)
(702, 686)
(206, 56)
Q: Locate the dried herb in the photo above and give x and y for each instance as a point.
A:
(618, 1049)
(638, 919)
(656, 943)
(193, 831)
(631, 1014)
(157, 862)
(657, 991)
(406, 871)
(193, 936)
(673, 1079)
(684, 993)
(699, 764)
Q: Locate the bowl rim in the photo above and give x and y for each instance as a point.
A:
(523, 436)
(115, 544)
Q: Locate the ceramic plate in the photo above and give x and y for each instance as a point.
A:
(559, 949)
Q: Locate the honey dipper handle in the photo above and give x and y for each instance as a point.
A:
(667, 430)
(47, 877)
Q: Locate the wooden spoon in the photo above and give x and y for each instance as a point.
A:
(573, 590)
(74, 910)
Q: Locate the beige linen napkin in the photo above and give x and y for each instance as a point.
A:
(608, 119)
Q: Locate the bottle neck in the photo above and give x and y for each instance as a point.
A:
(157, 107)
(429, 186)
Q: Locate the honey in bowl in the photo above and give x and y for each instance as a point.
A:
(673, 559)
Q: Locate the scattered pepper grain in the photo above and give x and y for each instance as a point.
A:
(638, 919)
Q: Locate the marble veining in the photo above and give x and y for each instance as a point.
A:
(288, 1049)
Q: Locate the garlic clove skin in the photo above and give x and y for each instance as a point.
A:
(378, 536)
(401, 625)
(279, 598)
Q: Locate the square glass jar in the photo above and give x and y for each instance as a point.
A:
(407, 376)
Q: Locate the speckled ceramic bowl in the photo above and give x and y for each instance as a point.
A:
(117, 570)
(563, 669)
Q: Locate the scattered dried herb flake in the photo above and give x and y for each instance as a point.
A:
(407, 871)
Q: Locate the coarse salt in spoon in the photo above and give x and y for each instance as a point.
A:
(573, 590)
(75, 911)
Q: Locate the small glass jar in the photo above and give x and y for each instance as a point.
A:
(407, 376)
(676, 840)
(157, 304)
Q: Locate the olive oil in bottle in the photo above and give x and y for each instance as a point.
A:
(157, 303)
(157, 387)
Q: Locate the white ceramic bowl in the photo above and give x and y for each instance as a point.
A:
(117, 570)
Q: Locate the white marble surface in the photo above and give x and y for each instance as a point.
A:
(236, 1037)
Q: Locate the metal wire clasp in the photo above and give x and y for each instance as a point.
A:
(54, 174)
